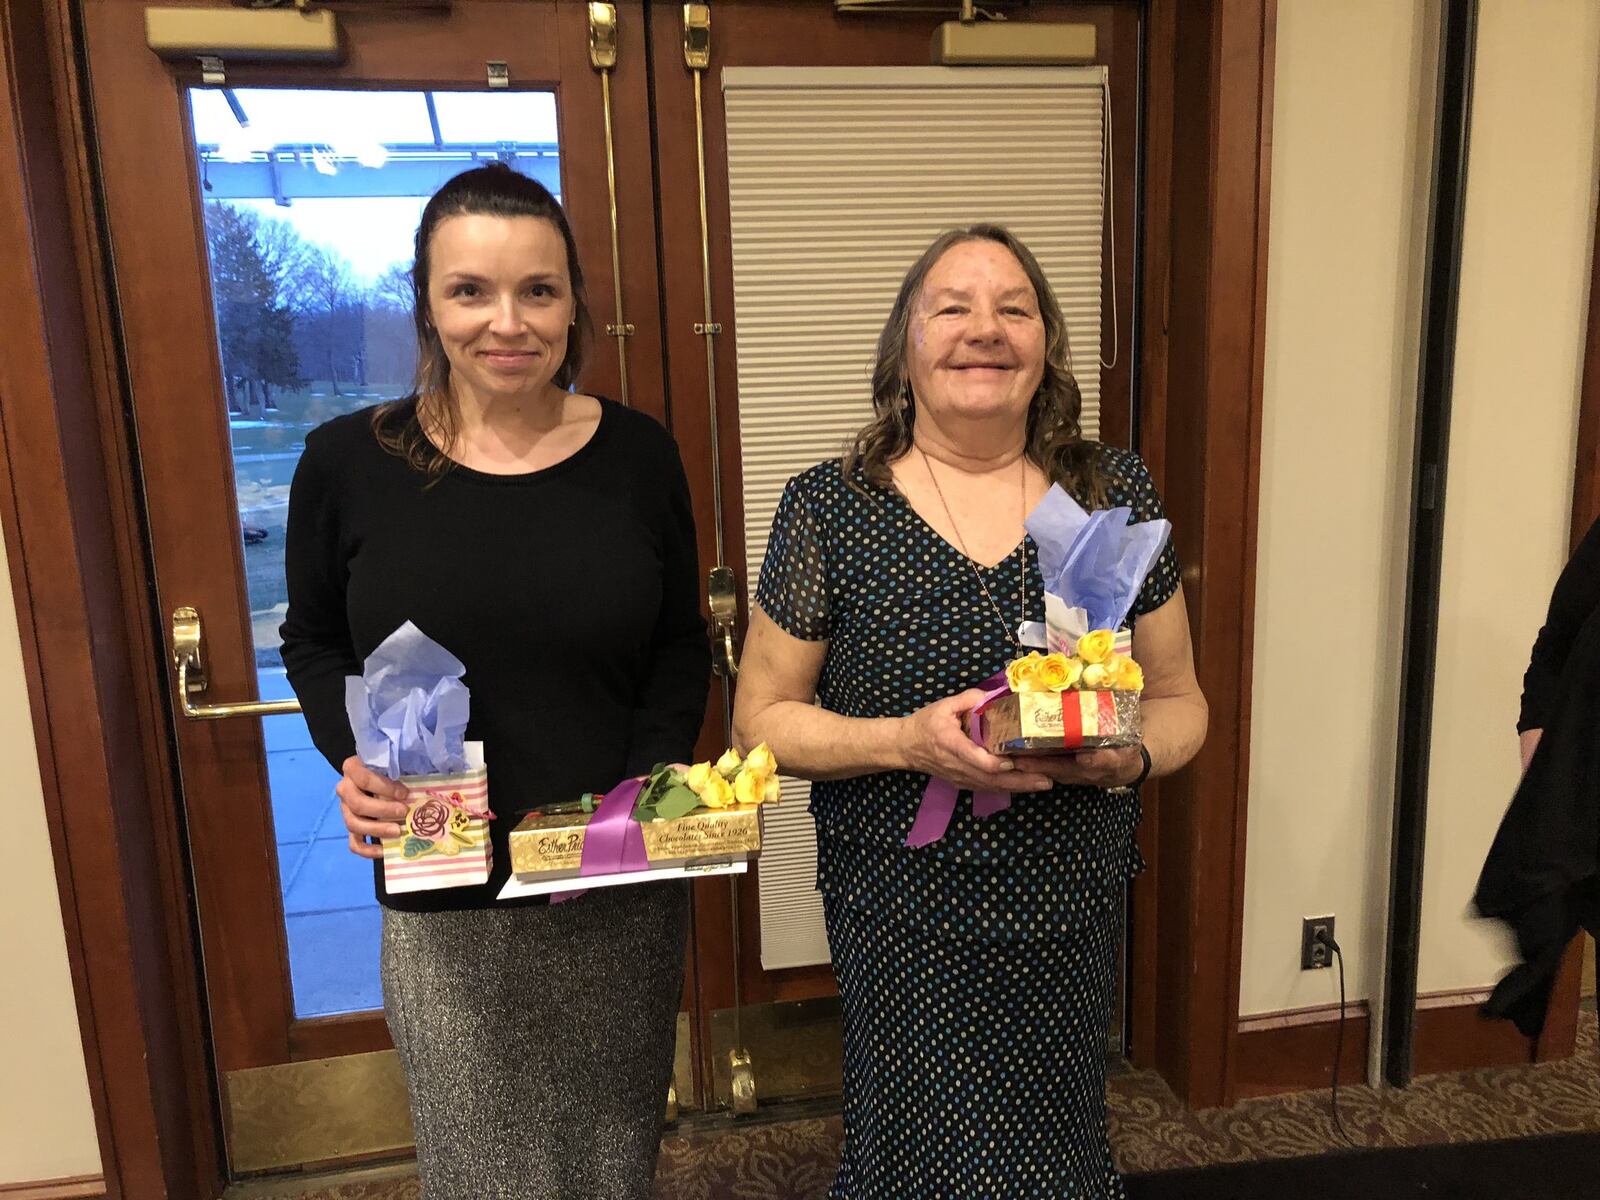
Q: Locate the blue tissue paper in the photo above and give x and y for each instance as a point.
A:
(1095, 561)
(408, 709)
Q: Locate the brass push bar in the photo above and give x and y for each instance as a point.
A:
(188, 660)
(603, 57)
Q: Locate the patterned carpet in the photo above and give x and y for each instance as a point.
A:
(1151, 1131)
(793, 1158)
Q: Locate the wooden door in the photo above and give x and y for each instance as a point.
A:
(222, 188)
(789, 1013)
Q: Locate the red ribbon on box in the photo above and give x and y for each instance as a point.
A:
(1086, 715)
(1083, 715)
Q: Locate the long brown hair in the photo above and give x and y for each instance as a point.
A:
(1054, 441)
(496, 191)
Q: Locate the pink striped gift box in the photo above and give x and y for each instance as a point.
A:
(446, 843)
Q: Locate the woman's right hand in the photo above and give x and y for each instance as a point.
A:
(934, 743)
(1527, 743)
(372, 806)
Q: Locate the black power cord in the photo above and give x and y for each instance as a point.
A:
(1327, 940)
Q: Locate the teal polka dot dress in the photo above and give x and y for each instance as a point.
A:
(975, 974)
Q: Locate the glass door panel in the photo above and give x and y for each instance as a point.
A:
(311, 200)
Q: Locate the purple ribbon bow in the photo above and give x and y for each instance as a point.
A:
(613, 841)
(939, 797)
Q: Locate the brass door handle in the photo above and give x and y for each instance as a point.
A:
(188, 660)
(722, 596)
(726, 658)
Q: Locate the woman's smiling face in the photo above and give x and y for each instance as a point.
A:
(500, 296)
(976, 342)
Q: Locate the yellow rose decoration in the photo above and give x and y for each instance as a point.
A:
(750, 787)
(697, 778)
(730, 762)
(1094, 648)
(1023, 673)
(1128, 675)
(718, 792)
(771, 791)
(1097, 677)
(1057, 672)
(761, 761)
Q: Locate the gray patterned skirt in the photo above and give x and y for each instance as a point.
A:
(537, 1042)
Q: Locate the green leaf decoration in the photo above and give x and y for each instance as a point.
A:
(659, 783)
(643, 815)
(678, 802)
(415, 847)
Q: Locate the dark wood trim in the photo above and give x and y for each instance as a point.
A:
(77, 1187)
(1158, 51)
(330, 1037)
(1452, 1036)
(1203, 390)
(1586, 477)
(75, 563)
(1559, 1038)
(1293, 1051)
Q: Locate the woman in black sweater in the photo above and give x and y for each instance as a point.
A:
(543, 537)
(1576, 596)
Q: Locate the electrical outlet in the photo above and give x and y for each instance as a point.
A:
(1314, 954)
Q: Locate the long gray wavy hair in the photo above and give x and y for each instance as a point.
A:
(1055, 440)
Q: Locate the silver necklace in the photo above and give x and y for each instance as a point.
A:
(1022, 566)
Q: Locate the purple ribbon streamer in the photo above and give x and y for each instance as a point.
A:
(939, 797)
(613, 841)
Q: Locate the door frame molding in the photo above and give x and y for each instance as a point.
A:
(1210, 65)
(75, 544)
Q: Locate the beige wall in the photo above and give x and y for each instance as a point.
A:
(1351, 154)
(1524, 294)
(1349, 196)
(46, 1124)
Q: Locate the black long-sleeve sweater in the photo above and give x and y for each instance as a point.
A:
(1576, 595)
(571, 594)
(1542, 873)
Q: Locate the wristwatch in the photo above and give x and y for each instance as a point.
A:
(1138, 782)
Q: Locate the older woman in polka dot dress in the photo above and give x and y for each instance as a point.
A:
(975, 973)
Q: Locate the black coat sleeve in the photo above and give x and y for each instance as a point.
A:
(1576, 595)
(673, 698)
(317, 650)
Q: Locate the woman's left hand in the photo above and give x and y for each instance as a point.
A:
(1093, 768)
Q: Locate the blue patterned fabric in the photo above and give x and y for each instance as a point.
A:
(972, 1068)
(975, 973)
